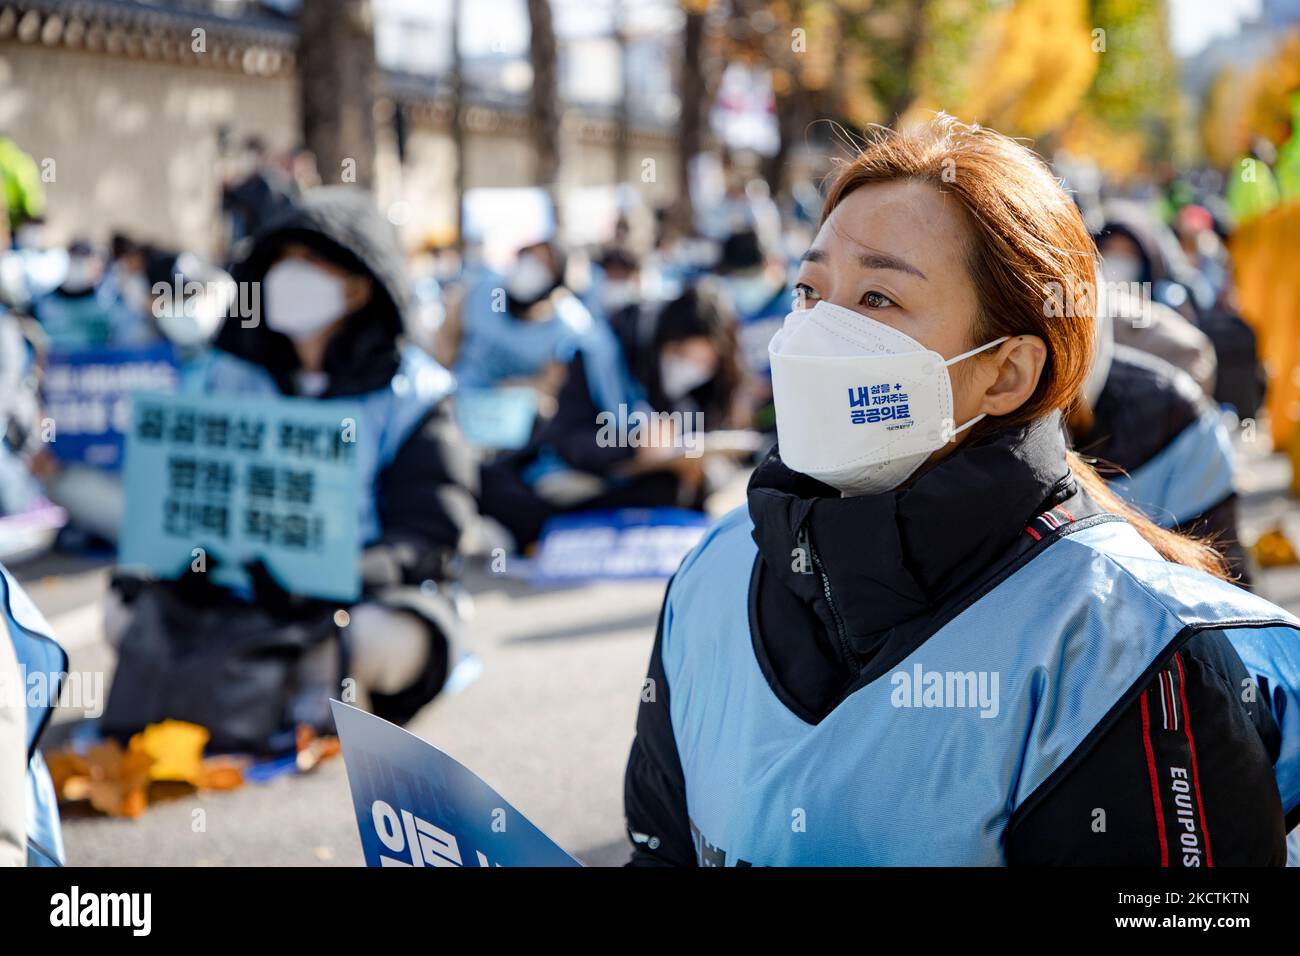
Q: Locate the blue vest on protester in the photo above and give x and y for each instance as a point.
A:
(74, 323)
(37, 653)
(496, 346)
(389, 415)
(1186, 478)
(888, 777)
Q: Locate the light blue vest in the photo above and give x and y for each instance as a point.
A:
(495, 346)
(888, 778)
(389, 416)
(74, 324)
(1190, 475)
(37, 652)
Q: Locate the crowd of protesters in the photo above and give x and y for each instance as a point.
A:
(676, 329)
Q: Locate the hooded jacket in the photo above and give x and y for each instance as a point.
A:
(1145, 405)
(424, 497)
(890, 571)
(1149, 324)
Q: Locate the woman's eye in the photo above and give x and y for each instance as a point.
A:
(802, 296)
(877, 300)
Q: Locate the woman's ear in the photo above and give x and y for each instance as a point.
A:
(1013, 371)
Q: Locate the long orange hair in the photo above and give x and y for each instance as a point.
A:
(1034, 267)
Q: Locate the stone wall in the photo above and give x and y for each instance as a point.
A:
(133, 146)
(134, 142)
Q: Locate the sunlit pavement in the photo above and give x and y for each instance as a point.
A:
(548, 723)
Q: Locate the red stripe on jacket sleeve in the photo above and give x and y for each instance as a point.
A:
(1155, 783)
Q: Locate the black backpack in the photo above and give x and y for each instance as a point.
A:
(197, 652)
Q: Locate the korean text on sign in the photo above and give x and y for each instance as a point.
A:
(275, 480)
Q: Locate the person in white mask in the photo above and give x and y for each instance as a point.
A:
(515, 329)
(932, 635)
(326, 288)
(631, 422)
(73, 315)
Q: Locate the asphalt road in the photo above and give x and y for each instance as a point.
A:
(548, 723)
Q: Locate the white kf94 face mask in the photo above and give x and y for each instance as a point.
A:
(302, 298)
(859, 405)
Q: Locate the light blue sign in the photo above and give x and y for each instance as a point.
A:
(496, 417)
(273, 479)
(88, 397)
(416, 806)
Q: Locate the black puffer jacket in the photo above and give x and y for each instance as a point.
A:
(935, 545)
(426, 495)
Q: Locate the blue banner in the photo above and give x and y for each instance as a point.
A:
(630, 543)
(88, 397)
(273, 479)
(416, 806)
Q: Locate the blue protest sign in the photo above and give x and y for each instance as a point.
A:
(496, 417)
(416, 806)
(626, 544)
(88, 396)
(272, 479)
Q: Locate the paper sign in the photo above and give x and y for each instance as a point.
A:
(276, 479)
(416, 806)
(88, 396)
(496, 417)
(627, 544)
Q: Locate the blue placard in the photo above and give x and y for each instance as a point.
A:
(88, 397)
(273, 479)
(630, 543)
(496, 417)
(416, 806)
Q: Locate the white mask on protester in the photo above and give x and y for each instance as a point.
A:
(618, 294)
(1118, 267)
(750, 293)
(301, 298)
(680, 376)
(529, 280)
(80, 275)
(859, 405)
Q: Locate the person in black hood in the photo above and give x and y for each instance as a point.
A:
(1145, 290)
(1163, 446)
(933, 636)
(326, 322)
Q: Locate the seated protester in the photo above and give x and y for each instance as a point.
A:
(74, 316)
(31, 269)
(1152, 310)
(933, 635)
(332, 293)
(193, 296)
(755, 280)
(1162, 445)
(576, 462)
(516, 330)
(127, 292)
(616, 297)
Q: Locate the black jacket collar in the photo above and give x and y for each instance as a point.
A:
(892, 557)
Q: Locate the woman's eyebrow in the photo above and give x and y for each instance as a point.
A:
(870, 260)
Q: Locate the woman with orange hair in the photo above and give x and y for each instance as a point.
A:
(933, 636)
